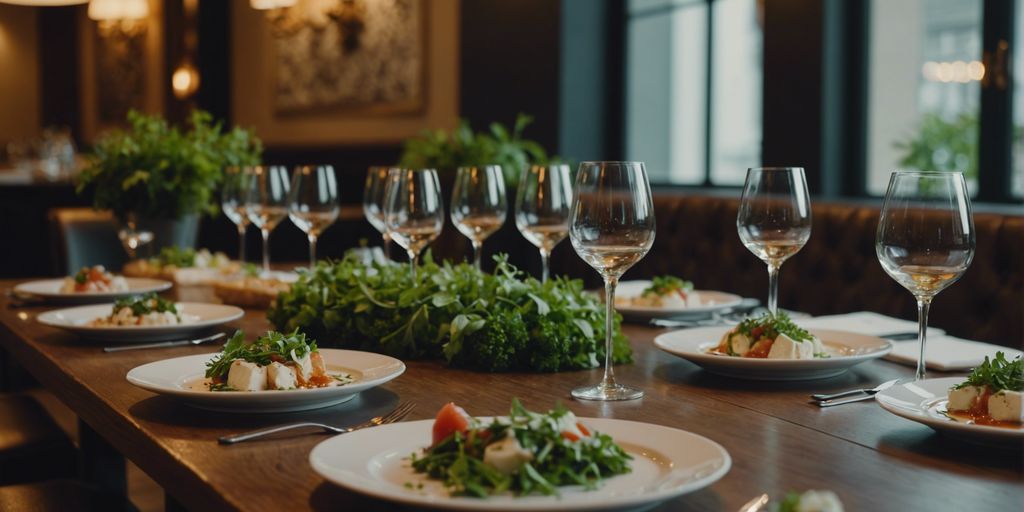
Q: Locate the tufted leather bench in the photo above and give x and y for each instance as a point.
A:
(837, 271)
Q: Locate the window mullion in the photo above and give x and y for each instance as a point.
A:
(995, 134)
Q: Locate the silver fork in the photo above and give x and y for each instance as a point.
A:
(398, 413)
(829, 400)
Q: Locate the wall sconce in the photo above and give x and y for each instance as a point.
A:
(119, 16)
(185, 80)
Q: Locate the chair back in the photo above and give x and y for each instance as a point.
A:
(84, 237)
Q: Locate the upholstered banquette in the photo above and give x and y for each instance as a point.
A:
(837, 271)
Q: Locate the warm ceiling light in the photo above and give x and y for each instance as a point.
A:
(111, 10)
(264, 5)
(185, 81)
(43, 3)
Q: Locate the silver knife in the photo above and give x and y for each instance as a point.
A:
(162, 344)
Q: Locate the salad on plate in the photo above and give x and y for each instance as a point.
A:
(274, 361)
(145, 310)
(770, 337)
(525, 453)
(991, 395)
(663, 292)
(94, 280)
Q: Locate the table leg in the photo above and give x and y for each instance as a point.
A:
(173, 505)
(100, 464)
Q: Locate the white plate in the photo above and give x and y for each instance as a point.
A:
(666, 463)
(847, 349)
(925, 402)
(710, 301)
(178, 377)
(49, 289)
(76, 320)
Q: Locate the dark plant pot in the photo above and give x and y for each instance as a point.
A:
(181, 232)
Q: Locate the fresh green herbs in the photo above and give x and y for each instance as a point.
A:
(273, 346)
(998, 374)
(791, 503)
(82, 276)
(770, 326)
(177, 256)
(550, 457)
(664, 285)
(492, 322)
(145, 304)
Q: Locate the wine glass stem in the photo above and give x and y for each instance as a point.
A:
(412, 263)
(923, 304)
(266, 250)
(545, 255)
(478, 251)
(609, 324)
(387, 244)
(241, 242)
(773, 288)
(312, 249)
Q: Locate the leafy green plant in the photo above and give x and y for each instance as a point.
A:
(156, 170)
(492, 322)
(943, 145)
(447, 151)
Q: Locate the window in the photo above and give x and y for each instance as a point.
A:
(670, 83)
(924, 88)
(1017, 186)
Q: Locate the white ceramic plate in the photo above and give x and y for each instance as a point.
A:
(847, 349)
(710, 301)
(667, 463)
(925, 402)
(49, 290)
(183, 377)
(77, 319)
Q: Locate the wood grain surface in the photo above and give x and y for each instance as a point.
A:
(778, 441)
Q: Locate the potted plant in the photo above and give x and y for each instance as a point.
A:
(157, 178)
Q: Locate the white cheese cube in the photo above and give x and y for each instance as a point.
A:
(788, 348)
(1006, 406)
(507, 455)
(303, 367)
(963, 398)
(739, 343)
(280, 376)
(819, 501)
(246, 376)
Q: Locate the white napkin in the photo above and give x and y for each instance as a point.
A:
(866, 322)
(941, 353)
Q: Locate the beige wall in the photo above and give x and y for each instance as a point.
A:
(19, 73)
(252, 87)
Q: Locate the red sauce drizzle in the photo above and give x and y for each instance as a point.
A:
(978, 413)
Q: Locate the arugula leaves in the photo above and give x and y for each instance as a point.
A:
(664, 285)
(177, 256)
(492, 322)
(772, 326)
(265, 349)
(998, 374)
(145, 304)
(556, 460)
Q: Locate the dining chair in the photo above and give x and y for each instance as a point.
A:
(63, 495)
(82, 237)
(32, 446)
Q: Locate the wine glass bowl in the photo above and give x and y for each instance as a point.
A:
(611, 226)
(267, 202)
(373, 203)
(479, 204)
(925, 239)
(774, 219)
(543, 204)
(232, 202)
(413, 214)
(313, 202)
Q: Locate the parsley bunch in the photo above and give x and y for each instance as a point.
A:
(145, 304)
(177, 256)
(556, 461)
(273, 346)
(772, 326)
(664, 285)
(998, 374)
(492, 322)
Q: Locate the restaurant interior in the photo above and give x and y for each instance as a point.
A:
(511, 255)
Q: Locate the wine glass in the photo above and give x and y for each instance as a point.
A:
(774, 220)
(611, 227)
(479, 205)
(373, 203)
(313, 202)
(413, 212)
(925, 238)
(267, 203)
(232, 201)
(543, 201)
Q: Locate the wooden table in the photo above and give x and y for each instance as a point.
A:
(778, 442)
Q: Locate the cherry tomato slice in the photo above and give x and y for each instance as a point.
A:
(450, 419)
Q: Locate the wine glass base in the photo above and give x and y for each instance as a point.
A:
(607, 392)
